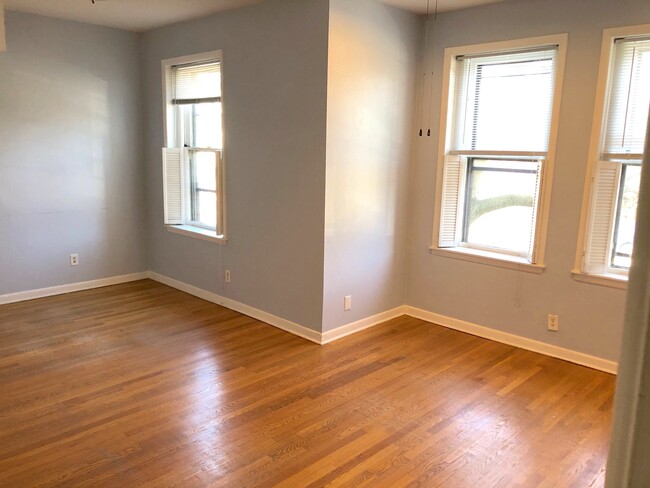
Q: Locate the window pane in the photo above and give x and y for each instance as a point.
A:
(626, 216)
(206, 119)
(204, 186)
(513, 106)
(499, 204)
(207, 209)
(205, 167)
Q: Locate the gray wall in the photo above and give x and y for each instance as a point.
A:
(71, 178)
(371, 84)
(591, 316)
(275, 87)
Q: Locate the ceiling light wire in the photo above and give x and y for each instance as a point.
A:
(432, 57)
(425, 69)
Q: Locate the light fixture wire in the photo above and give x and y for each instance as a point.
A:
(432, 57)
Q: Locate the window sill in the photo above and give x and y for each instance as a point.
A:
(197, 233)
(611, 280)
(488, 258)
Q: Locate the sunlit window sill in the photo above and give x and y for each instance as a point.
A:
(610, 280)
(197, 233)
(488, 258)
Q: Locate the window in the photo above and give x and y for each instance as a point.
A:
(193, 156)
(498, 138)
(615, 158)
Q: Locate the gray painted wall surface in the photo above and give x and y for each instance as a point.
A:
(275, 85)
(591, 317)
(71, 178)
(371, 90)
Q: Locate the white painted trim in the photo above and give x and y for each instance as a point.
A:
(22, 296)
(546, 184)
(196, 233)
(488, 258)
(275, 321)
(279, 322)
(515, 340)
(330, 335)
(612, 281)
(359, 325)
(597, 130)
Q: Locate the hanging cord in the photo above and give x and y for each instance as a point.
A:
(425, 69)
(433, 42)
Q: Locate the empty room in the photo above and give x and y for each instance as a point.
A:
(309, 243)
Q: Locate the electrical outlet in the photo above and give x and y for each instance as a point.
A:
(553, 323)
(227, 276)
(74, 259)
(347, 303)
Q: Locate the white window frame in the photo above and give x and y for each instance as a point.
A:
(474, 254)
(611, 277)
(172, 135)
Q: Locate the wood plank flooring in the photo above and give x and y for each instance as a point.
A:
(142, 385)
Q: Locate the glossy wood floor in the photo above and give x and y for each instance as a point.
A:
(142, 385)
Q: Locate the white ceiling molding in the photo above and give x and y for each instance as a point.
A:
(143, 15)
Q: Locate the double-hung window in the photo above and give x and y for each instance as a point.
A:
(193, 157)
(496, 148)
(618, 138)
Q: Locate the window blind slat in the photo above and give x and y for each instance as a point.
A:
(196, 82)
(173, 184)
(451, 201)
(602, 215)
(628, 98)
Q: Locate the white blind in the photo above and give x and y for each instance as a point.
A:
(451, 201)
(628, 98)
(196, 83)
(173, 185)
(503, 101)
(603, 204)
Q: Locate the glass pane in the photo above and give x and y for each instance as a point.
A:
(207, 209)
(626, 216)
(499, 204)
(204, 170)
(514, 106)
(207, 125)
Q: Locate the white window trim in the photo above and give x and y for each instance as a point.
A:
(614, 280)
(169, 132)
(444, 139)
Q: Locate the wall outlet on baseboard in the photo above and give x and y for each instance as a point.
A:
(227, 276)
(347, 303)
(74, 259)
(553, 323)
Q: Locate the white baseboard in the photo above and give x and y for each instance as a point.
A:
(330, 335)
(359, 325)
(275, 321)
(279, 322)
(62, 289)
(515, 340)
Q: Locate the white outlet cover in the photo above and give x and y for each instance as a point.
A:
(347, 303)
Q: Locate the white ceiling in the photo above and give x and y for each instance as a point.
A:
(142, 15)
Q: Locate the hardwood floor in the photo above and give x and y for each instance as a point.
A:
(142, 385)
